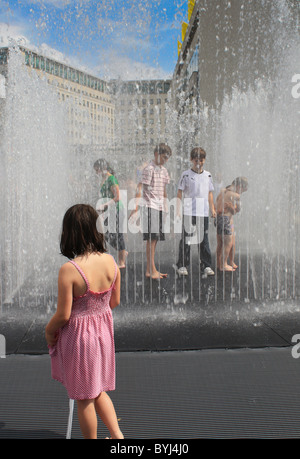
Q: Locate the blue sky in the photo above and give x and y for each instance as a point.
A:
(126, 38)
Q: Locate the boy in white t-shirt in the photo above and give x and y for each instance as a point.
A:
(196, 189)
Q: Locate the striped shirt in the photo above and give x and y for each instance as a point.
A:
(155, 178)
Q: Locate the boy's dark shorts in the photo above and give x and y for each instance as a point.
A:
(152, 224)
(224, 225)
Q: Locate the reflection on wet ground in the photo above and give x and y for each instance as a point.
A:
(227, 310)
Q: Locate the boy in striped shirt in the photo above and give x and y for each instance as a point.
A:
(155, 177)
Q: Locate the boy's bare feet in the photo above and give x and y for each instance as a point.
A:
(227, 268)
(156, 275)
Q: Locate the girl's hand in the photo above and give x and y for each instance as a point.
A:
(51, 338)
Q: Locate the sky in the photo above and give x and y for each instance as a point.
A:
(111, 38)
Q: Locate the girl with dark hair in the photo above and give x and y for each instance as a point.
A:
(110, 196)
(80, 335)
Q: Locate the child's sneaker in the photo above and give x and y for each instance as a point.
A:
(208, 271)
(182, 271)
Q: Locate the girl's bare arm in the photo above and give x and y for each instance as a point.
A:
(115, 296)
(64, 304)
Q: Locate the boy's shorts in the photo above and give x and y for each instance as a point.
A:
(224, 226)
(152, 224)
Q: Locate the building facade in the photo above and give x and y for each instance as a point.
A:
(141, 108)
(102, 113)
(227, 45)
(89, 104)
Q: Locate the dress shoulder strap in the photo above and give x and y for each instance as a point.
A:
(81, 272)
(85, 278)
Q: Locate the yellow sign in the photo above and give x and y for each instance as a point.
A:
(179, 46)
(183, 30)
(191, 5)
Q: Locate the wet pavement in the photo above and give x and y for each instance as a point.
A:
(204, 359)
(247, 308)
(181, 327)
(179, 395)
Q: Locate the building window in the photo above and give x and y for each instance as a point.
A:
(3, 56)
(193, 64)
(166, 87)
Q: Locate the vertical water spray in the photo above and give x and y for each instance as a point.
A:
(244, 116)
(242, 112)
(35, 172)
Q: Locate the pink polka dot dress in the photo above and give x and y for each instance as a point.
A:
(83, 358)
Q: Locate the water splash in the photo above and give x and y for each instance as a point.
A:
(253, 131)
(35, 172)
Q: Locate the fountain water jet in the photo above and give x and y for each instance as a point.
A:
(242, 135)
(35, 176)
(245, 117)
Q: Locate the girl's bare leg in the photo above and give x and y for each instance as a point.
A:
(227, 246)
(219, 250)
(105, 408)
(122, 258)
(232, 253)
(87, 418)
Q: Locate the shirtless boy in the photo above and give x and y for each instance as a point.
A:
(227, 205)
